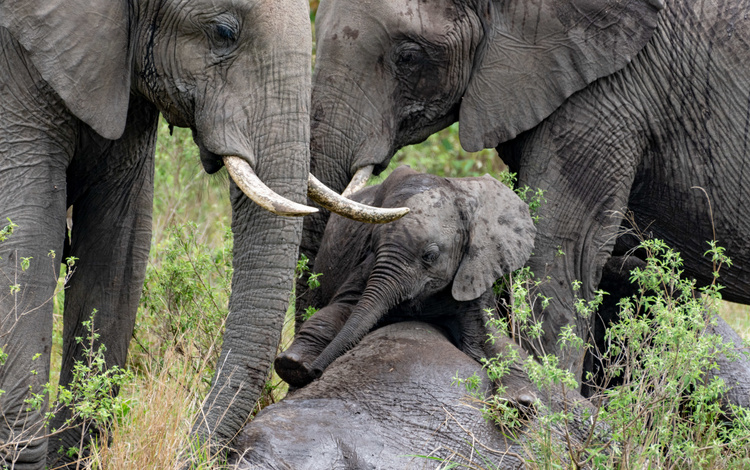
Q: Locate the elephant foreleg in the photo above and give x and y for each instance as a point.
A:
(585, 158)
(35, 150)
(317, 332)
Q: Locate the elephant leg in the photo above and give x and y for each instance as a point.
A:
(471, 325)
(616, 283)
(36, 133)
(585, 158)
(111, 238)
(317, 332)
(30, 200)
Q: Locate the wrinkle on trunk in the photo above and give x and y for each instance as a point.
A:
(388, 285)
(265, 255)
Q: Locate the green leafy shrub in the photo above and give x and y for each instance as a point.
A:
(185, 299)
(665, 414)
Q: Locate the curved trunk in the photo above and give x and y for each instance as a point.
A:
(388, 285)
(265, 254)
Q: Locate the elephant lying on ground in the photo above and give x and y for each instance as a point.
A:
(387, 401)
(438, 263)
(607, 106)
(82, 83)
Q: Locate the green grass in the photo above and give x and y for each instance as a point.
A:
(441, 154)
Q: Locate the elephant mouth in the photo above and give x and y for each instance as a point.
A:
(211, 162)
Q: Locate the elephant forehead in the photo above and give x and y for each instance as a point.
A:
(347, 20)
(435, 212)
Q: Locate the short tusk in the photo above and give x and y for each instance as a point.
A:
(358, 181)
(255, 189)
(344, 207)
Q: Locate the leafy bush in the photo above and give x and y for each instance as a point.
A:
(185, 300)
(665, 414)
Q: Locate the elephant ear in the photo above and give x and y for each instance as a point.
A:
(80, 47)
(538, 53)
(501, 235)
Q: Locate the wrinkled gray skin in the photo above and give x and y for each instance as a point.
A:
(437, 263)
(390, 399)
(604, 105)
(81, 86)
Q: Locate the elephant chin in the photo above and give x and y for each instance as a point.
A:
(211, 162)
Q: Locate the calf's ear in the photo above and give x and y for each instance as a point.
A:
(538, 53)
(81, 48)
(501, 235)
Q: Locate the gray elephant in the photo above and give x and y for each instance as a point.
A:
(438, 264)
(82, 83)
(604, 105)
(389, 401)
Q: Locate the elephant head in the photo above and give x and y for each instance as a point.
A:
(460, 236)
(389, 74)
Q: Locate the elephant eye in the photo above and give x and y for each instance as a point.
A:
(223, 34)
(409, 55)
(431, 253)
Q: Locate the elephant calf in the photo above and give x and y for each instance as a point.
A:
(437, 264)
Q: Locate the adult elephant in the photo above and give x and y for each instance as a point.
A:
(81, 85)
(604, 105)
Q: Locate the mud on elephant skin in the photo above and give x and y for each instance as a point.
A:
(386, 401)
(438, 263)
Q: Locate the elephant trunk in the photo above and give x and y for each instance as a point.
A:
(265, 245)
(390, 283)
(342, 141)
(265, 254)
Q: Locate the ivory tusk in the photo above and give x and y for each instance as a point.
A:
(332, 201)
(255, 189)
(359, 180)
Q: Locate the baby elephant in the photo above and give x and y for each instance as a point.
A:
(436, 264)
